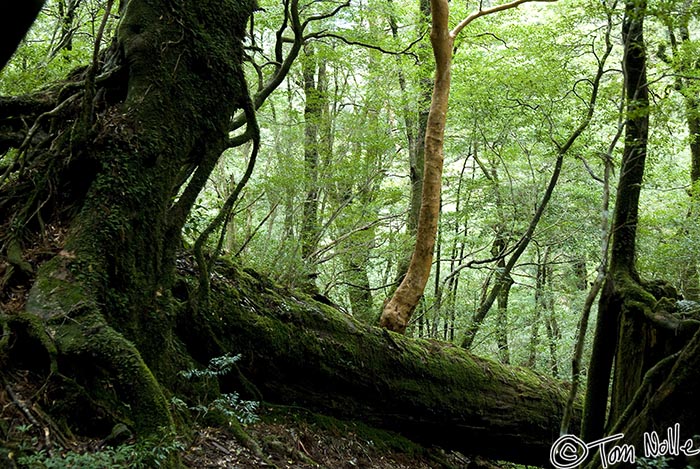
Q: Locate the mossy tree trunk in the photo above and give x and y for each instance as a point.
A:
(129, 154)
(315, 104)
(299, 352)
(661, 403)
(622, 282)
(638, 325)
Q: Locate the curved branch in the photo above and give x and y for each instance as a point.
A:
(351, 42)
(488, 11)
(324, 16)
(204, 267)
(285, 65)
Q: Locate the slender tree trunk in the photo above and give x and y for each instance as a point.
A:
(521, 245)
(502, 303)
(553, 336)
(398, 310)
(622, 279)
(66, 10)
(457, 253)
(540, 305)
(415, 121)
(315, 91)
(502, 323)
(593, 292)
(359, 289)
(690, 276)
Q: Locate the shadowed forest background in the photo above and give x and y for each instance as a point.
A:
(207, 209)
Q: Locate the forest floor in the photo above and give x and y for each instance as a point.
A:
(288, 437)
(294, 440)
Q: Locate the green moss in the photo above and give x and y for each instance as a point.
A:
(381, 440)
(55, 292)
(62, 316)
(111, 370)
(299, 351)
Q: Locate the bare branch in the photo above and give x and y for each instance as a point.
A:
(488, 11)
(345, 236)
(326, 15)
(351, 42)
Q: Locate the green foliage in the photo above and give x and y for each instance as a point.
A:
(218, 366)
(661, 462)
(54, 46)
(521, 85)
(148, 454)
(108, 458)
(229, 405)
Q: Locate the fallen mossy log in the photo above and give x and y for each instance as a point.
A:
(298, 351)
(294, 351)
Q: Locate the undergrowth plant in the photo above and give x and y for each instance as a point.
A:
(229, 405)
(150, 453)
(153, 453)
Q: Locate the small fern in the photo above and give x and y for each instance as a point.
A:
(218, 366)
(149, 454)
(230, 405)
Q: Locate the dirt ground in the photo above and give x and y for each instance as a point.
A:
(284, 438)
(292, 442)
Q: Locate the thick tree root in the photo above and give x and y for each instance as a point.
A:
(105, 371)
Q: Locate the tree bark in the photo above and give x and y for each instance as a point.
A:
(120, 187)
(658, 404)
(299, 352)
(398, 310)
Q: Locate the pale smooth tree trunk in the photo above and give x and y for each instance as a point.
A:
(399, 308)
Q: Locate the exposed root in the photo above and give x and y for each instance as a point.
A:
(246, 440)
